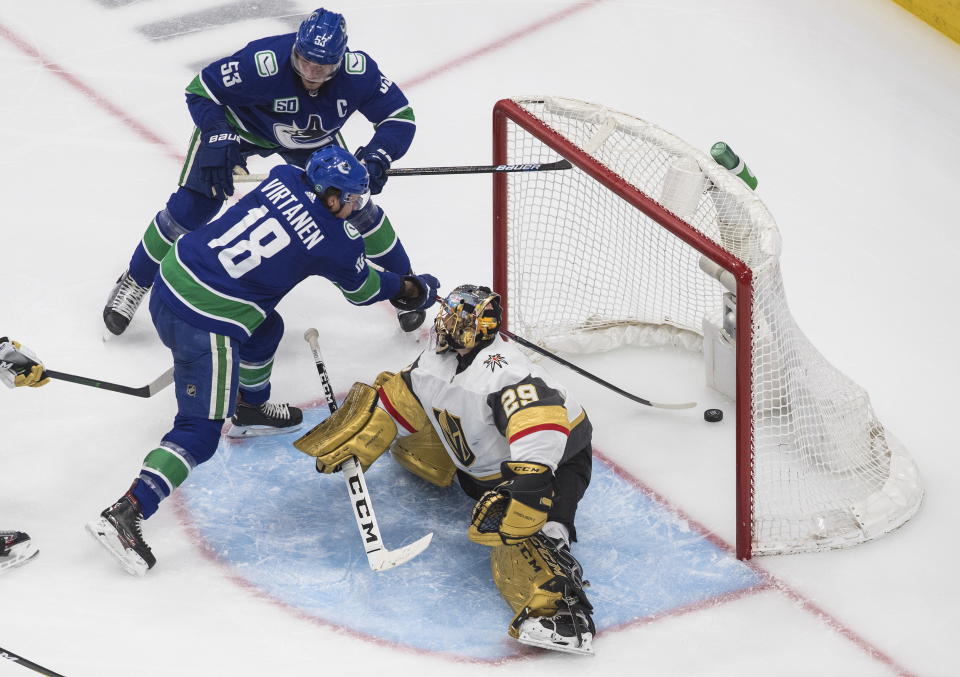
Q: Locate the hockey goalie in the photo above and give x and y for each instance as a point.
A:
(477, 409)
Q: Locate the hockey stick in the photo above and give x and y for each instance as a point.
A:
(378, 556)
(20, 660)
(149, 390)
(596, 379)
(466, 169)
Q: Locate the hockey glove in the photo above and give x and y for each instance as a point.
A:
(217, 156)
(377, 162)
(516, 509)
(19, 366)
(425, 297)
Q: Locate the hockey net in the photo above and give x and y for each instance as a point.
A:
(648, 241)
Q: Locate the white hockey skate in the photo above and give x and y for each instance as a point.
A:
(560, 632)
(124, 299)
(16, 549)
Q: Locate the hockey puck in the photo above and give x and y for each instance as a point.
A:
(713, 415)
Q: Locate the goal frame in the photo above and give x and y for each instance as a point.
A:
(506, 111)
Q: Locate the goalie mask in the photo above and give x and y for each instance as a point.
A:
(468, 315)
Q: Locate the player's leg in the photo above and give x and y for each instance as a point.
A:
(256, 415)
(565, 624)
(187, 209)
(206, 377)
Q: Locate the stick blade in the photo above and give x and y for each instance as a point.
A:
(387, 559)
(681, 405)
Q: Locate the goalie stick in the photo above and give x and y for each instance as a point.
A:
(596, 379)
(379, 558)
(466, 169)
(30, 665)
(149, 390)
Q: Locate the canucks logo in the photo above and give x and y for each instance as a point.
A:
(313, 135)
(495, 361)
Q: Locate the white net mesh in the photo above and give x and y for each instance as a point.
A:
(588, 271)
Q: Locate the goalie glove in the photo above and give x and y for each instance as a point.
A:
(517, 508)
(19, 366)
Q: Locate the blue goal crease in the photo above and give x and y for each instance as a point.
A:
(260, 506)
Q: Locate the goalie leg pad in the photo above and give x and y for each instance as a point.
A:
(422, 452)
(358, 428)
(538, 578)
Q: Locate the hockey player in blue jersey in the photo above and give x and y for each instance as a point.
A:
(287, 95)
(213, 303)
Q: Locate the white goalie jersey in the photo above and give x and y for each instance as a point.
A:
(499, 407)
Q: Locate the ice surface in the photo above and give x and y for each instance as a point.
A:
(845, 111)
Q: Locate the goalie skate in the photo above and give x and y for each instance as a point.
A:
(16, 549)
(264, 419)
(566, 632)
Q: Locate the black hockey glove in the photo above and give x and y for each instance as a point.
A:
(377, 163)
(218, 154)
(426, 285)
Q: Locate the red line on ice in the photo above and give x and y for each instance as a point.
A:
(770, 582)
(139, 129)
(505, 41)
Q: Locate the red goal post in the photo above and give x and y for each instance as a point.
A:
(674, 249)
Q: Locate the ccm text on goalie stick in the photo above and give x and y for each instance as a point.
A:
(379, 558)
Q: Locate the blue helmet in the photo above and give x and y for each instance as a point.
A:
(322, 38)
(334, 167)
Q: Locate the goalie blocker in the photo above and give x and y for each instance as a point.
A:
(431, 416)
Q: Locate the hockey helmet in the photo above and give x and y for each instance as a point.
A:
(333, 167)
(468, 315)
(319, 46)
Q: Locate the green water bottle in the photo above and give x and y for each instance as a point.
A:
(725, 157)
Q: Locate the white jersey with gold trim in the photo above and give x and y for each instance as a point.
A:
(501, 407)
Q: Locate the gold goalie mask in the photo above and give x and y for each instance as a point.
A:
(469, 314)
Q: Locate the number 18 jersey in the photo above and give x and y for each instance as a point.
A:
(227, 276)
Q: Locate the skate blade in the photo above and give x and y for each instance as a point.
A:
(260, 430)
(585, 649)
(107, 536)
(19, 555)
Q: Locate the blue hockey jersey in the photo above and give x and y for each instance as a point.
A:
(257, 91)
(227, 276)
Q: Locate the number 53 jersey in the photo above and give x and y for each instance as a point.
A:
(227, 276)
(500, 407)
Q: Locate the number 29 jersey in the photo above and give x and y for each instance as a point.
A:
(227, 276)
(502, 407)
